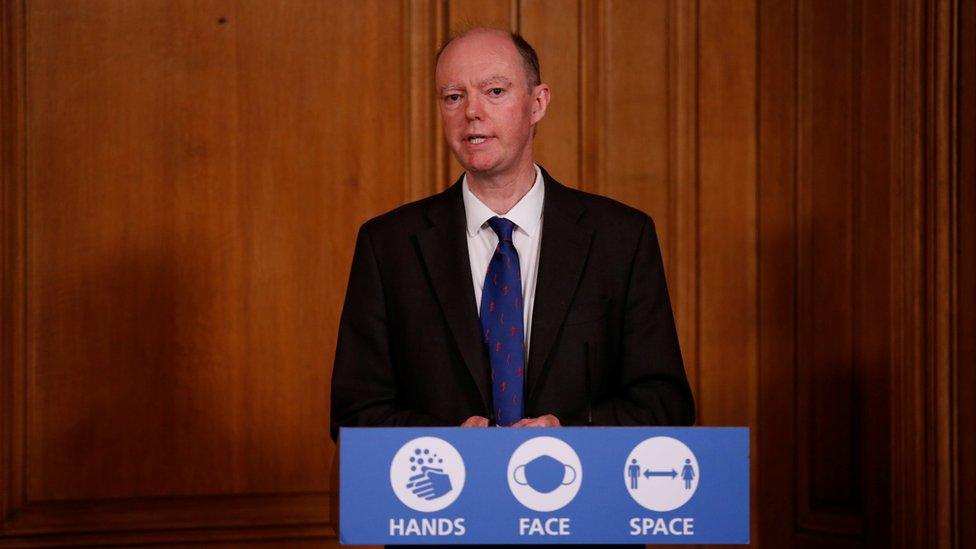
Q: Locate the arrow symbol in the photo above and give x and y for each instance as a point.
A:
(648, 473)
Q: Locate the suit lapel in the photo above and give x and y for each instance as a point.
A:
(445, 253)
(563, 251)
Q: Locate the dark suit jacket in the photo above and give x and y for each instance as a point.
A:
(603, 348)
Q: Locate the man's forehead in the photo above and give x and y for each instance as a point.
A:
(488, 53)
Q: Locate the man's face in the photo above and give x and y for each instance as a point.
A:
(486, 107)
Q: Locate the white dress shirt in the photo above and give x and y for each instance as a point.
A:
(482, 240)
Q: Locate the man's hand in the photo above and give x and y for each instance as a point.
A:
(547, 420)
(475, 421)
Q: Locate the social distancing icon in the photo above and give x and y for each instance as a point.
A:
(661, 474)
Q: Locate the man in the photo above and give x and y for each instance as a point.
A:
(508, 299)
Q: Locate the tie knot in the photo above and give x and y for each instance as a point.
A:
(502, 227)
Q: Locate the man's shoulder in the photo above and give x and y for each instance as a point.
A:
(409, 217)
(602, 212)
(611, 210)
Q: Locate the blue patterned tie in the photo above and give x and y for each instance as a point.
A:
(501, 322)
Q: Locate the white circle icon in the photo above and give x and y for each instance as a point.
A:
(544, 474)
(427, 474)
(661, 474)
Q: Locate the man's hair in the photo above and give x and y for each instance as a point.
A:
(530, 61)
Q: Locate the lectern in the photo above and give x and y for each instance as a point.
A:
(610, 485)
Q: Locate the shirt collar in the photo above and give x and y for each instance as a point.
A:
(526, 214)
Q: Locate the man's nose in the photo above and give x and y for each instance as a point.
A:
(473, 110)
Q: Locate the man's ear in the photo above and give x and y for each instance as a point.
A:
(540, 102)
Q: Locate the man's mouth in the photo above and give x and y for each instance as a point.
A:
(477, 139)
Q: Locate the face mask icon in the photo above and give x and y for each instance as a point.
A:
(544, 474)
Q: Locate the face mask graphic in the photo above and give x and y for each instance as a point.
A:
(544, 474)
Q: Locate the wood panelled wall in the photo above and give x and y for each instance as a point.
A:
(183, 181)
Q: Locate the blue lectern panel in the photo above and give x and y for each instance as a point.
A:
(564, 485)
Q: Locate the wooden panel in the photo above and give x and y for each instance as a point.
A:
(925, 416)
(776, 439)
(829, 456)
(727, 213)
(681, 249)
(593, 85)
(940, 241)
(170, 520)
(910, 456)
(156, 215)
(12, 247)
(843, 294)
(425, 149)
(550, 26)
(502, 14)
(872, 305)
(636, 125)
(129, 284)
(185, 253)
(965, 381)
(825, 297)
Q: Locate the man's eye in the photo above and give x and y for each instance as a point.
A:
(496, 91)
(452, 98)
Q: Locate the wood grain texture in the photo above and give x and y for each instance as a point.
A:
(191, 189)
(843, 337)
(964, 525)
(825, 298)
(909, 466)
(636, 126)
(156, 215)
(682, 248)
(502, 14)
(872, 306)
(925, 445)
(777, 438)
(13, 170)
(593, 88)
(424, 142)
(829, 134)
(888, 93)
(941, 241)
(544, 23)
(727, 213)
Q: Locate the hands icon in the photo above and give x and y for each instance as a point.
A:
(431, 483)
(427, 474)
